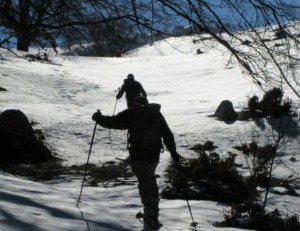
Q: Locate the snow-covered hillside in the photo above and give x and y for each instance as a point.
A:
(62, 98)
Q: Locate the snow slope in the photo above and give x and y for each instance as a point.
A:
(62, 98)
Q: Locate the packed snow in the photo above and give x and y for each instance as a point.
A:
(63, 95)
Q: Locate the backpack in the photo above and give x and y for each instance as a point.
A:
(146, 130)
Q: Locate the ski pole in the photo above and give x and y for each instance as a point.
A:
(86, 166)
(109, 133)
(115, 107)
(194, 224)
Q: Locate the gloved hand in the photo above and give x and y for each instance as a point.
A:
(118, 96)
(96, 115)
(175, 156)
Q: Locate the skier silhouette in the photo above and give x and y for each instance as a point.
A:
(132, 88)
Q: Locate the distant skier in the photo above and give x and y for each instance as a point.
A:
(147, 128)
(132, 88)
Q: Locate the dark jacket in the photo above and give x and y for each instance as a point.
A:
(129, 119)
(133, 89)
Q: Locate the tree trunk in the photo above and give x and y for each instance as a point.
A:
(22, 45)
(22, 42)
(23, 33)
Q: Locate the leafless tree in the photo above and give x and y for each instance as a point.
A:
(267, 48)
(269, 53)
(46, 22)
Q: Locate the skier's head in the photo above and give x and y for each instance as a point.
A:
(130, 76)
(141, 101)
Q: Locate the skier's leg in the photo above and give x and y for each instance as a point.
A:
(148, 188)
(152, 196)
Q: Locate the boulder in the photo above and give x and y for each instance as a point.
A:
(17, 123)
(18, 143)
(225, 111)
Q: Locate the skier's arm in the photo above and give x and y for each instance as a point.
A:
(143, 92)
(167, 136)
(169, 140)
(119, 121)
(121, 92)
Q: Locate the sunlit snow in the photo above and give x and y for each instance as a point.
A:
(62, 98)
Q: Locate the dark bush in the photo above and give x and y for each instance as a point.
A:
(38, 172)
(254, 107)
(209, 177)
(207, 146)
(272, 105)
(253, 216)
(261, 161)
(108, 174)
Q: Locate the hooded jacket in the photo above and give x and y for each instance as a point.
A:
(147, 129)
